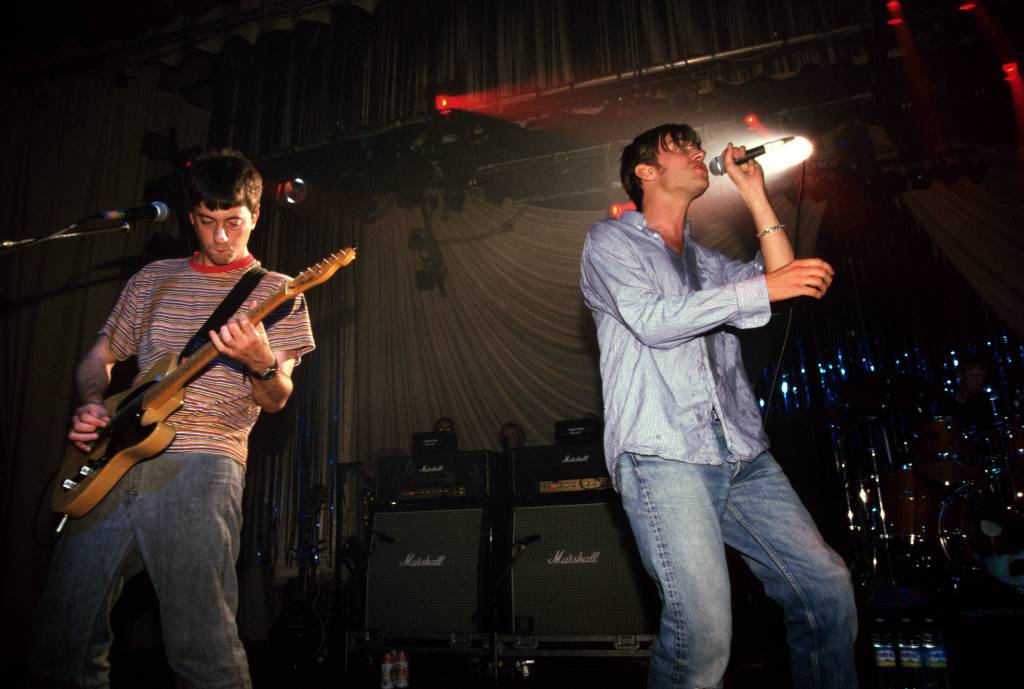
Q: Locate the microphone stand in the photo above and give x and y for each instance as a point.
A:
(518, 548)
(9, 245)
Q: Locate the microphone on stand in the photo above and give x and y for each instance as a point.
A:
(717, 165)
(157, 211)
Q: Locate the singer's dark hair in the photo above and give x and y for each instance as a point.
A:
(222, 179)
(644, 150)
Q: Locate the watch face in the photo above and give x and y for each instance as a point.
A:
(268, 373)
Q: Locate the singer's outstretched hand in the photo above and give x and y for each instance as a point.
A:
(803, 277)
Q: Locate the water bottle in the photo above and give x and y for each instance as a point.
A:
(885, 656)
(401, 671)
(936, 672)
(387, 669)
(908, 641)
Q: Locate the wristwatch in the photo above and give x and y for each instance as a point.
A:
(267, 373)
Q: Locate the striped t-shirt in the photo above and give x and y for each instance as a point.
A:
(161, 308)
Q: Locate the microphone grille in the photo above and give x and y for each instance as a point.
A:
(717, 166)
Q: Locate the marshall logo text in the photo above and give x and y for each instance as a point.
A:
(573, 459)
(414, 560)
(560, 558)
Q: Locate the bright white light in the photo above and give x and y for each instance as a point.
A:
(793, 153)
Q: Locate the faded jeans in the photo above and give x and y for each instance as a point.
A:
(682, 516)
(178, 516)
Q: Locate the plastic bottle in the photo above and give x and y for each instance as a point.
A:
(401, 671)
(387, 669)
(886, 671)
(936, 667)
(908, 641)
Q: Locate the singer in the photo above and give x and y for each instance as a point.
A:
(178, 514)
(683, 437)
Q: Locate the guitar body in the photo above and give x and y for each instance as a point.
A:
(133, 435)
(136, 430)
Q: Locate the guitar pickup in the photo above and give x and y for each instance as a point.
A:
(85, 470)
(69, 484)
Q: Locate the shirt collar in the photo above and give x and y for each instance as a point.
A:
(234, 265)
(638, 220)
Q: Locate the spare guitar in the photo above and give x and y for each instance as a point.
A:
(136, 430)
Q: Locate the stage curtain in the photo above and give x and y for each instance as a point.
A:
(510, 340)
(976, 225)
(73, 146)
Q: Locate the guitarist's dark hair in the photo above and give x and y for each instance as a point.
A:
(223, 179)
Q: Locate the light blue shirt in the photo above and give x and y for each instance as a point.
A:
(669, 364)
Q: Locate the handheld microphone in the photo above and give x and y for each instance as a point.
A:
(717, 165)
(156, 211)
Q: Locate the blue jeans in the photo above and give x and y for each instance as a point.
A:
(178, 516)
(682, 516)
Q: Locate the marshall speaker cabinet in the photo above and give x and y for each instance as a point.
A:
(427, 572)
(580, 573)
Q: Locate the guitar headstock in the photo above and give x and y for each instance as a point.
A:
(322, 270)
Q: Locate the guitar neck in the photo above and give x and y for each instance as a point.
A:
(161, 392)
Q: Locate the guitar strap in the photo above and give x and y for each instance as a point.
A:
(242, 289)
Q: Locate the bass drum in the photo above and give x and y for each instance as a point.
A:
(981, 528)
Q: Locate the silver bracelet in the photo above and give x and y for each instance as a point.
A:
(769, 230)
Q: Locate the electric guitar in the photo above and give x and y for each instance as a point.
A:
(136, 430)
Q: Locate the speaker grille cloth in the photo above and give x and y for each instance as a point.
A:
(426, 583)
(584, 575)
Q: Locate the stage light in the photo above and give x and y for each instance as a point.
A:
(442, 104)
(751, 120)
(967, 6)
(617, 209)
(1010, 68)
(292, 191)
(793, 153)
(896, 10)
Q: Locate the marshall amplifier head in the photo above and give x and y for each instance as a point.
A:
(415, 479)
(559, 469)
(435, 443)
(579, 431)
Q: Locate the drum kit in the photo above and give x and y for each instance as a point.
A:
(929, 499)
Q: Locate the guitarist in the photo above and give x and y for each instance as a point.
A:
(177, 515)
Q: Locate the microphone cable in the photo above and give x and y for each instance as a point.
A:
(789, 313)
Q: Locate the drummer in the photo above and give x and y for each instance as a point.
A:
(970, 404)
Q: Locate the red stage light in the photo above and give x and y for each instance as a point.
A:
(441, 102)
(617, 209)
(1010, 68)
(895, 21)
(750, 119)
(965, 6)
(893, 6)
